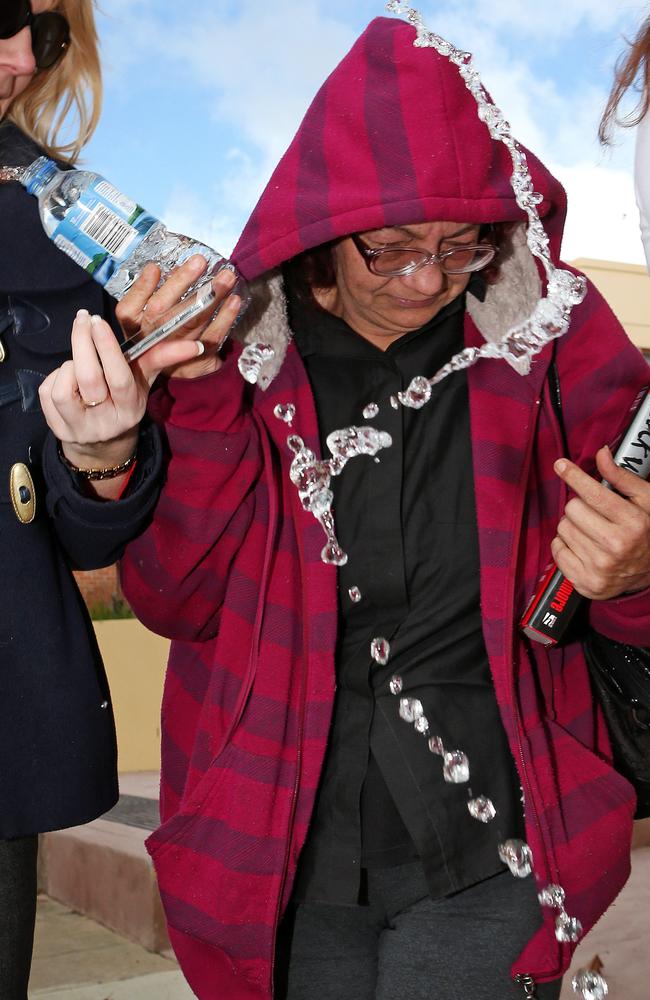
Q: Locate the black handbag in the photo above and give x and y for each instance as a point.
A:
(620, 677)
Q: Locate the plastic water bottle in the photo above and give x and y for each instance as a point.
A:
(112, 238)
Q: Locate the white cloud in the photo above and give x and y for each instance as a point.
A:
(543, 22)
(603, 219)
(185, 212)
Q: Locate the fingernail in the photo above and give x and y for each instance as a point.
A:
(606, 447)
(560, 465)
(226, 276)
(95, 320)
(200, 348)
(82, 314)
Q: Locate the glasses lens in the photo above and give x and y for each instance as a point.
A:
(461, 260)
(14, 15)
(50, 38)
(398, 261)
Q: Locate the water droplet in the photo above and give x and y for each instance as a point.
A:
(553, 896)
(334, 555)
(285, 411)
(482, 809)
(380, 650)
(422, 725)
(456, 767)
(590, 985)
(518, 856)
(354, 594)
(410, 709)
(370, 411)
(436, 745)
(568, 929)
(396, 685)
(417, 394)
(252, 359)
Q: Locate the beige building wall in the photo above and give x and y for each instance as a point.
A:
(135, 661)
(627, 289)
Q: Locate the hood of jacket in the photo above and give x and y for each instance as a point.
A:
(393, 137)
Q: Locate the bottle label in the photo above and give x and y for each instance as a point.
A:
(99, 227)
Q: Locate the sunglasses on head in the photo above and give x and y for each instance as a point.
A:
(50, 30)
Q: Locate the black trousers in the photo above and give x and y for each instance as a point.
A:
(17, 914)
(404, 944)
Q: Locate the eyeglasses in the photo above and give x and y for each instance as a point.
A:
(391, 262)
(50, 30)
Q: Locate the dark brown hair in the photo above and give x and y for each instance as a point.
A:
(632, 70)
(315, 268)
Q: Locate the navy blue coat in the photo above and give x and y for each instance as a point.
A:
(57, 734)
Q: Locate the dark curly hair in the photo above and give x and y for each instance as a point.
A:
(315, 268)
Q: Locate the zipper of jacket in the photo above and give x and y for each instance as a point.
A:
(528, 985)
(524, 979)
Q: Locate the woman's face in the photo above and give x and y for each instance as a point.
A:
(382, 309)
(17, 66)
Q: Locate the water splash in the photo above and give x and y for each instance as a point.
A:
(252, 359)
(313, 476)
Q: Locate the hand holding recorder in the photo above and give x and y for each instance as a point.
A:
(602, 548)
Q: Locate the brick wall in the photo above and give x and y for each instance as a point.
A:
(99, 586)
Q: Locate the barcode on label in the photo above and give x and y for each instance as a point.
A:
(78, 256)
(107, 229)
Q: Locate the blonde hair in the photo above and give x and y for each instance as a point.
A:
(72, 86)
(632, 70)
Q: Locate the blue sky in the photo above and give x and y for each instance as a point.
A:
(202, 97)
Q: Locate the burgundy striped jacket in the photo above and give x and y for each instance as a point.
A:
(231, 569)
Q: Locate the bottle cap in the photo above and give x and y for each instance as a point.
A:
(39, 174)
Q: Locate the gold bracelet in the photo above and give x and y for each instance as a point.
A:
(95, 474)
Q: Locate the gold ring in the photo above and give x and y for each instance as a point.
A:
(97, 402)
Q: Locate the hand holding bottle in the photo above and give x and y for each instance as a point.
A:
(94, 403)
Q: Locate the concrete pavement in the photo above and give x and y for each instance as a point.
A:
(78, 959)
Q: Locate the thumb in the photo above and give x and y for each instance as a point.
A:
(622, 480)
(168, 354)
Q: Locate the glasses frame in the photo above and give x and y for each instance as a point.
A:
(371, 254)
(45, 56)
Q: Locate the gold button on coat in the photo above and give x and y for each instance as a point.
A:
(23, 496)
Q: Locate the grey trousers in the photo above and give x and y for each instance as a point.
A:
(406, 946)
(17, 914)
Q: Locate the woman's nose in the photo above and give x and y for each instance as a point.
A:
(427, 280)
(16, 54)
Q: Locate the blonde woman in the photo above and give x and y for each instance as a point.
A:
(633, 71)
(57, 737)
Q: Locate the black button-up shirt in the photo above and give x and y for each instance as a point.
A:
(407, 521)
